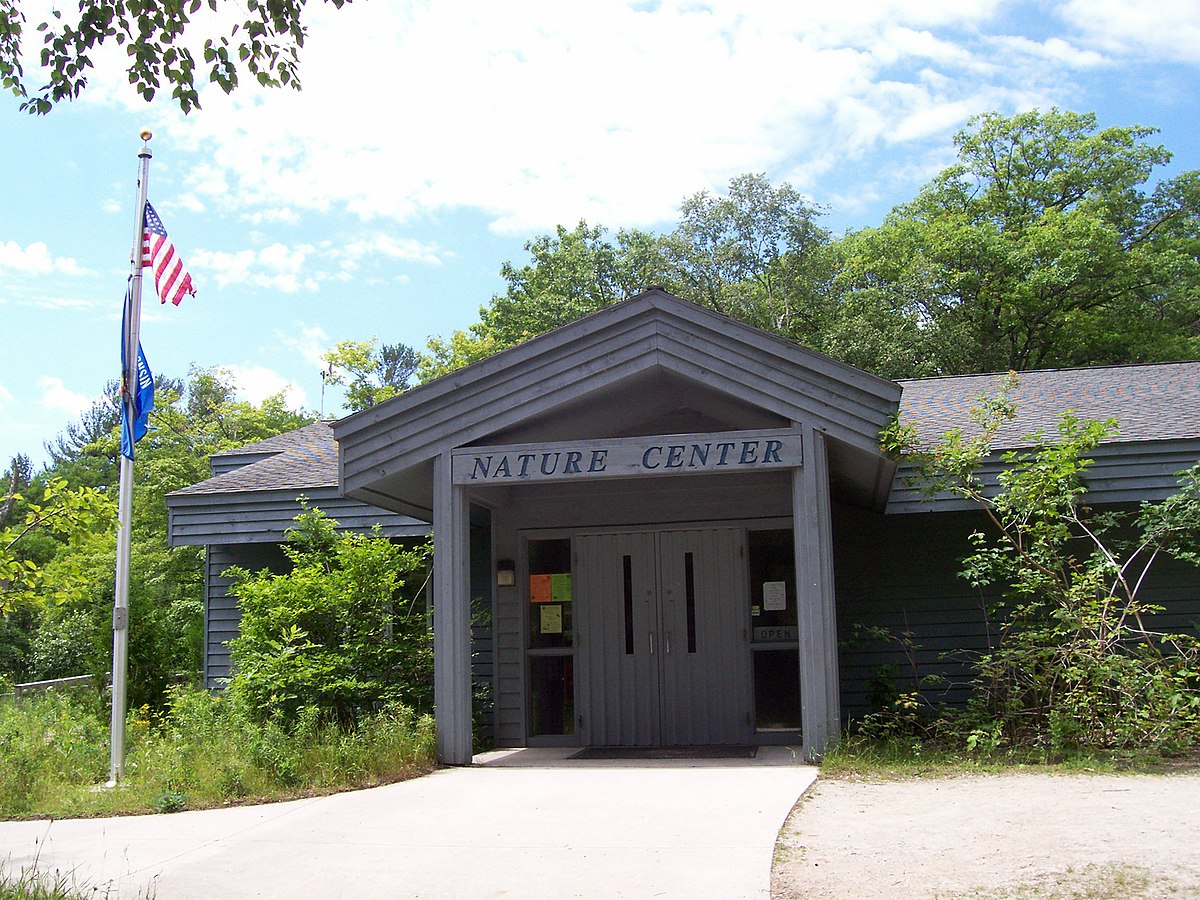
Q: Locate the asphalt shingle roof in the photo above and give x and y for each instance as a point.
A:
(304, 458)
(1150, 402)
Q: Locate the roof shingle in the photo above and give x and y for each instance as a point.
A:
(304, 458)
(1150, 402)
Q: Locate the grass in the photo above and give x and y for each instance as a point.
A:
(29, 884)
(200, 753)
(1093, 882)
(874, 759)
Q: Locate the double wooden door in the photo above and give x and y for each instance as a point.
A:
(662, 652)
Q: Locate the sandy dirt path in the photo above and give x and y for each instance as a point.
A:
(1003, 836)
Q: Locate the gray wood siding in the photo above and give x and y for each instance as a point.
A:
(509, 642)
(651, 501)
(509, 669)
(483, 645)
(221, 613)
(900, 573)
(1121, 473)
(228, 462)
(264, 516)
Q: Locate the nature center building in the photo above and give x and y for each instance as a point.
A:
(658, 526)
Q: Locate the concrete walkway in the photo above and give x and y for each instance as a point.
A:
(526, 824)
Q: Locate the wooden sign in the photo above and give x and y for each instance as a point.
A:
(670, 454)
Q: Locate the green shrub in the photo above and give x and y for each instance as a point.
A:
(1075, 666)
(337, 633)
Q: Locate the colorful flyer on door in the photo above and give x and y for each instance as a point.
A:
(560, 588)
(539, 589)
(551, 619)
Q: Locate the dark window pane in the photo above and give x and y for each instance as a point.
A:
(551, 695)
(776, 689)
(551, 600)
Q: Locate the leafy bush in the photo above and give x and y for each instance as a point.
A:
(336, 634)
(1076, 665)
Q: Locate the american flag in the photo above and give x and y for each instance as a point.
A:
(171, 277)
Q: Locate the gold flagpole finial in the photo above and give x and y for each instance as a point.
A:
(145, 134)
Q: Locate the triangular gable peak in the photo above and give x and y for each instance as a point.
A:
(651, 364)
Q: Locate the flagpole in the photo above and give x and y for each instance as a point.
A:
(129, 383)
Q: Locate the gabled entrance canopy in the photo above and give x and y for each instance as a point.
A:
(654, 364)
(707, 396)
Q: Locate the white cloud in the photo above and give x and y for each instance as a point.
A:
(1053, 50)
(6, 396)
(543, 112)
(73, 303)
(256, 383)
(276, 267)
(309, 341)
(57, 396)
(188, 201)
(405, 249)
(1164, 29)
(539, 112)
(278, 216)
(289, 268)
(36, 259)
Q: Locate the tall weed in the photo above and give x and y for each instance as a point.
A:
(48, 743)
(201, 751)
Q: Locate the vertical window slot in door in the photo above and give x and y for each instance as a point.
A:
(628, 580)
(689, 576)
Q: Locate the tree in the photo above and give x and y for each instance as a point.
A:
(444, 355)
(263, 41)
(1039, 248)
(60, 512)
(1077, 661)
(66, 624)
(372, 372)
(20, 471)
(753, 254)
(749, 254)
(570, 274)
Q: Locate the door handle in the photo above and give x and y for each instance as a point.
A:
(651, 634)
(668, 642)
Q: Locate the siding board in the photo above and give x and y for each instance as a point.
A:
(1120, 473)
(221, 614)
(265, 516)
(900, 573)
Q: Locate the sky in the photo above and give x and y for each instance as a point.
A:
(431, 141)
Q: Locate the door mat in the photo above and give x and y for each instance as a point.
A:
(713, 751)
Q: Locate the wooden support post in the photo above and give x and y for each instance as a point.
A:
(820, 694)
(451, 617)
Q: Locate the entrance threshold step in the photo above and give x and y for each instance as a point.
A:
(701, 751)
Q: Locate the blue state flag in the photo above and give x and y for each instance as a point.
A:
(136, 400)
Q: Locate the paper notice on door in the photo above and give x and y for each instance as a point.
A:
(560, 588)
(551, 619)
(774, 595)
(539, 589)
